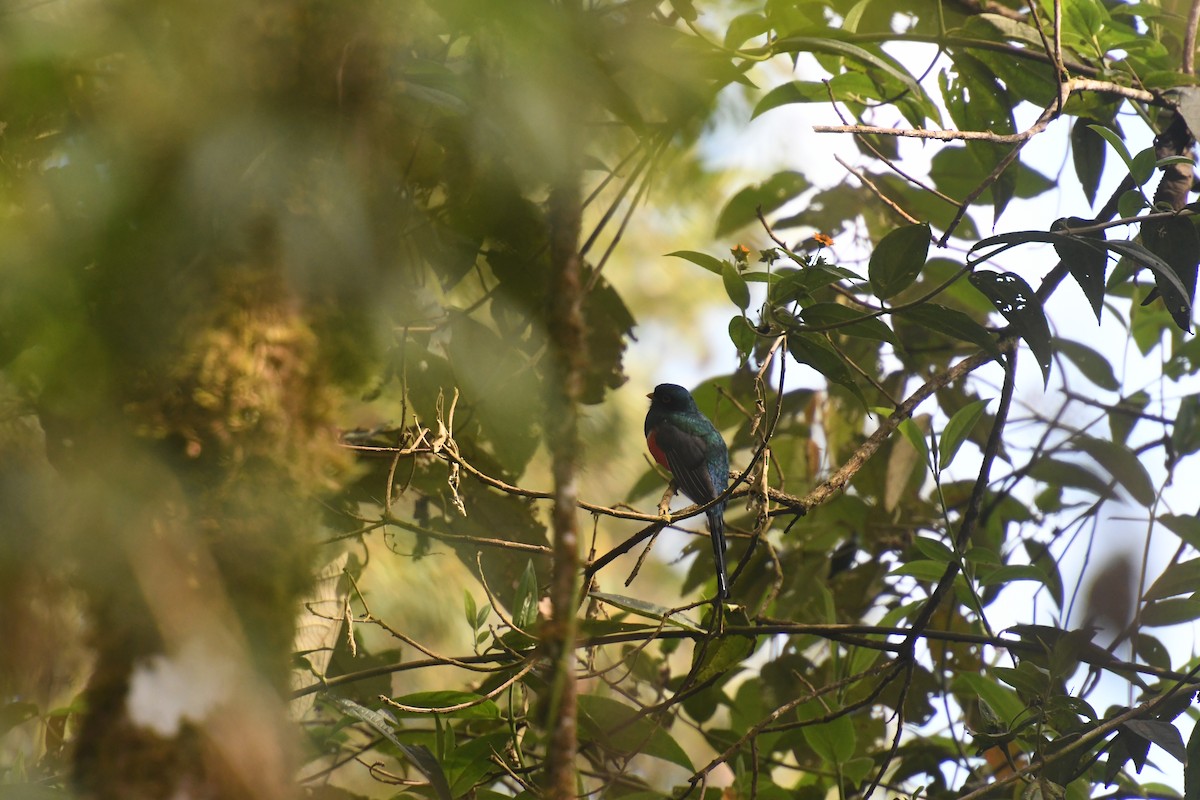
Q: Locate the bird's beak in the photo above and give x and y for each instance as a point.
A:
(650, 395)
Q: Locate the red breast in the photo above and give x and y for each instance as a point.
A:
(657, 451)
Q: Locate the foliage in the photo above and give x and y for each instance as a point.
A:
(232, 230)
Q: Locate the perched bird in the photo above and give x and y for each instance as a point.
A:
(684, 441)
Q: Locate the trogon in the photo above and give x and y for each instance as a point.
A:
(684, 441)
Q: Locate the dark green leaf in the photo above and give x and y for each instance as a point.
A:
(1087, 262)
(1163, 613)
(1185, 526)
(735, 285)
(1181, 577)
(1130, 203)
(847, 320)
(1091, 363)
(1161, 733)
(612, 724)
(1087, 153)
(813, 350)
(952, 323)
(742, 209)
(916, 438)
(1057, 472)
(897, 260)
(1191, 768)
(1122, 463)
(793, 92)
(1185, 436)
(1016, 301)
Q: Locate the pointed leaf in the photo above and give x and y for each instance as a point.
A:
(897, 260)
(1175, 611)
(710, 263)
(735, 285)
(1087, 152)
(1182, 577)
(849, 321)
(742, 209)
(616, 726)
(1091, 363)
(525, 604)
(952, 323)
(1016, 301)
(1162, 733)
(1086, 262)
(1122, 463)
(957, 429)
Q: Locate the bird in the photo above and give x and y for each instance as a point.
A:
(687, 443)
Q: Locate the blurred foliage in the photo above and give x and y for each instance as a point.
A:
(274, 305)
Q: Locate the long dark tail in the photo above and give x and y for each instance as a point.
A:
(716, 529)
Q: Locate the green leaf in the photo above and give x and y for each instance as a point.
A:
(1016, 301)
(525, 604)
(1142, 166)
(1003, 702)
(742, 209)
(742, 336)
(1163, 613)
(1116, 142)
(1130, 203)
(1185, 526)
(1191, 769)
(1086, 261)
(418, 755)
(952, 323)
(710, 263)
(469, 608)
(934, 550)
(744, 27)
(848, 321)
(616, 726)
(1091, 363)
(1057, 472)
(834, 741)
(805, 44)
(1122, 463)
(1181, 577)
(957, 429)
(735, 285)
(813, 350)
(916, 438)
(793, 92)
(1087, 153)
(922, 570)
(897, 260)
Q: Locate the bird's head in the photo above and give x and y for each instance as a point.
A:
(671, 397)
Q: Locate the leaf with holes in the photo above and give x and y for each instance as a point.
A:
(1016, 301)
